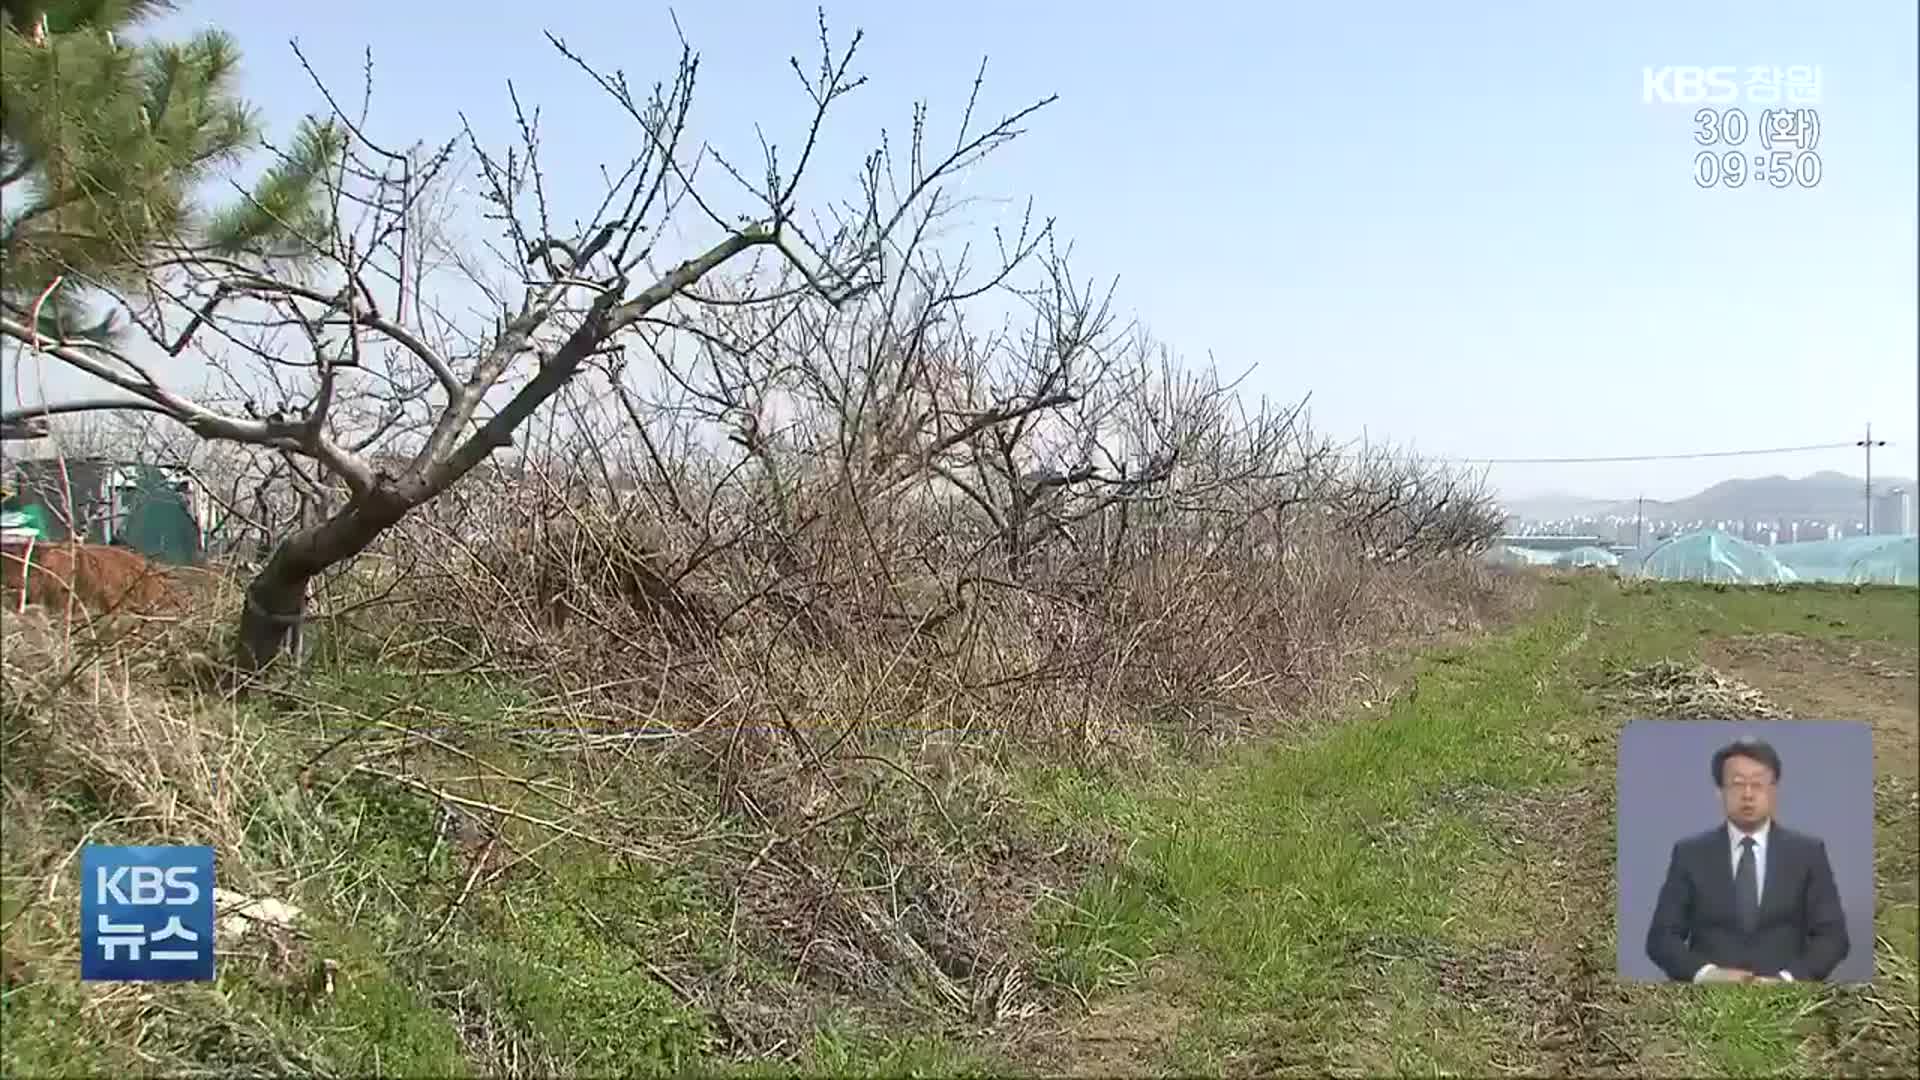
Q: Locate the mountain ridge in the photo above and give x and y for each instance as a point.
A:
(1827, 495)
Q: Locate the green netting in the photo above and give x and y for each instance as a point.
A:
(1709, 555)
(158, 523)
(1586, 556)
(154, 516)
(1856, 560)
(23, 521)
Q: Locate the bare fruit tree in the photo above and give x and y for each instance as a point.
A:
(357, 368)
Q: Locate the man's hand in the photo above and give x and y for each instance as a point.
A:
(1727, 974)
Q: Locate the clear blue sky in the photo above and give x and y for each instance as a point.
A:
(1458, 225)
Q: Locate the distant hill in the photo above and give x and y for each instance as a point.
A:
(1559, 506)
(1822, 496)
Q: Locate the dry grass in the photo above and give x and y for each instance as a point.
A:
(739, 763)
(851, 814)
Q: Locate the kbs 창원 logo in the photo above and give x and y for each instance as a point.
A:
(1795, 85)
(146, 914)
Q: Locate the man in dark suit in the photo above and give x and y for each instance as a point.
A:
(1748, 900)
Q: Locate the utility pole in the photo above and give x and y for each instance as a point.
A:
(1640, 523)
(1869, 444)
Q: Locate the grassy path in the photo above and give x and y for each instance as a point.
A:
(1428, 887)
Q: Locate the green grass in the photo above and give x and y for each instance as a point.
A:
(37, 1036)
(843, 1048)
(1269, 867)
(586, 998)
(1099, 938)
(554, 961)
(1254, 898)
(1742, 1034)
(1267, 872)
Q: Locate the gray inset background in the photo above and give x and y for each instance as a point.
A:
(1666, 793)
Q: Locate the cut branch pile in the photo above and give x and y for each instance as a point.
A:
(1671, 690)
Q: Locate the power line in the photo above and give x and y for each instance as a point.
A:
(1654, 457)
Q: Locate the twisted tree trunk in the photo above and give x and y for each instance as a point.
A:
(274, 612)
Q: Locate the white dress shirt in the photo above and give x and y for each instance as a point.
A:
(1734, 835)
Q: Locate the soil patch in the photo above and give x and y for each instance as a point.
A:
(1128, 1034)
(1836, 680)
